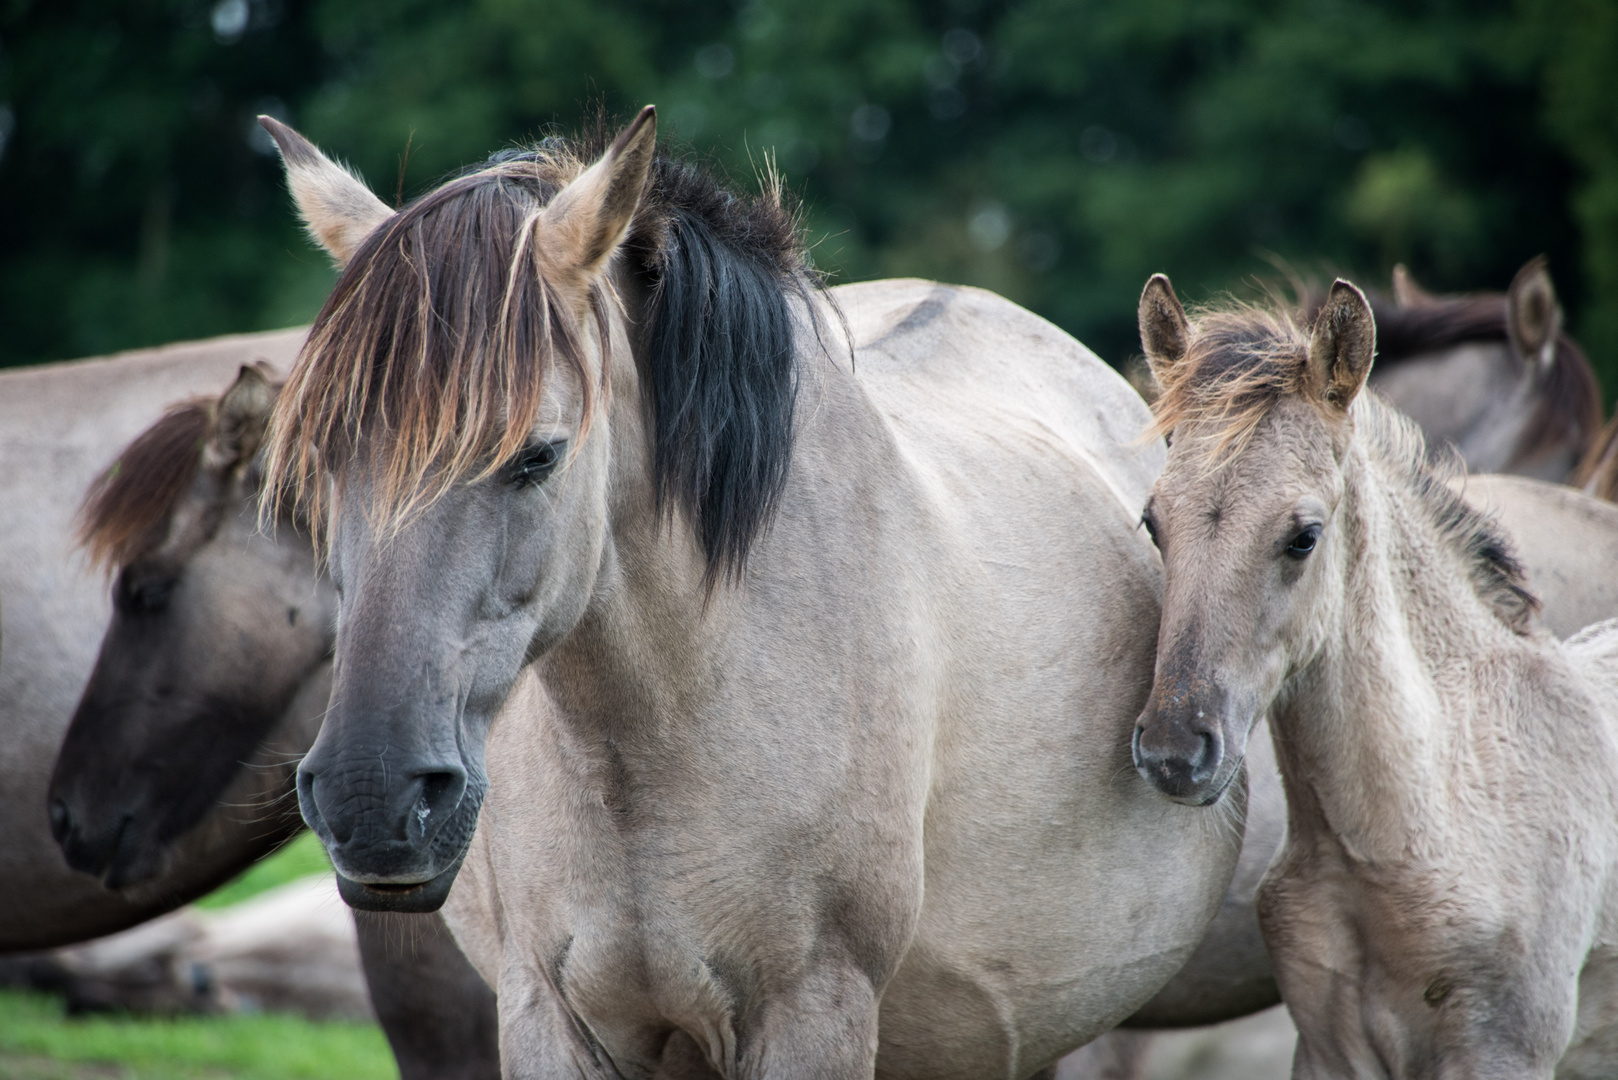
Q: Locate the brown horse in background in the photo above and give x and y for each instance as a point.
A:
(203, 646)
(1495, 375)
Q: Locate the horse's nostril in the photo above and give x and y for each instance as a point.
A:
(61, 820)
(1134, 745)
(437, 797)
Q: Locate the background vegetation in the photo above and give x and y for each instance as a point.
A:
(39, 1042)
(1057, 151)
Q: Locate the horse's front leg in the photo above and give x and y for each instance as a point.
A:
(824, 1028)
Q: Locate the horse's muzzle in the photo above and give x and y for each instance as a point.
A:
(410, 899)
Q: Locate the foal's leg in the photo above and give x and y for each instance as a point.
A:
(438, 1014)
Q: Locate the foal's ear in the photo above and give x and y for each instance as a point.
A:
(242, 416)
(1533, 316)
(1165, 333)
(1407, 292)
(1341, 347)
(587, 220)
(337, 208)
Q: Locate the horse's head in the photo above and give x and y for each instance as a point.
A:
(447, 423)
(1495, 375)
(1257, 412)
(219, 633)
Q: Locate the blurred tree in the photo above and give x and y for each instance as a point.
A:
(1058, 151)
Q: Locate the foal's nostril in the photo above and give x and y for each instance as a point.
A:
(61, 821)
(1134, 745)
(1207, 759)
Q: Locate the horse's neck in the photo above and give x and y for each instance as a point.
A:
(650, 645)
(1376, 730)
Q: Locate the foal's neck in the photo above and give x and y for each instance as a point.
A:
(1375, 731)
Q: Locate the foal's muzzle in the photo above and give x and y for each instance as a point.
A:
(1179, 747)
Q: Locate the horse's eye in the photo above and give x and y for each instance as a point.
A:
(145, 596)
(1150, 525)
(536, 463)
(1304, 542)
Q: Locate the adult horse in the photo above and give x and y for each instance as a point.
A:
(158, 824)
(825, 661)
(1496, 376)
(59, 425)
(1445, 902)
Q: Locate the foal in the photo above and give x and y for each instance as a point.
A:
(1442, 906)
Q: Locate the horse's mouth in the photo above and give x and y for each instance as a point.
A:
(415, 899)
(1235, 771)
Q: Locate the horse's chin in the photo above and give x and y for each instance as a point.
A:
(418, 898)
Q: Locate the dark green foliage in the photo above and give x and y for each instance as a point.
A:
(1054, 150)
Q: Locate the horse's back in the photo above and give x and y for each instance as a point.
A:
(1041, 592)
(60, 424)
(1567, 540)
(948, 363)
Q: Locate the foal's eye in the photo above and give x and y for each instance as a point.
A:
(1150, 526)
(536, 463)
(1304, 542)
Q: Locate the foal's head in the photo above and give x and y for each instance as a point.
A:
(1257, 412)
(215, 628)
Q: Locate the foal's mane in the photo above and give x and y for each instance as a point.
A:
(1571, 398)
(135, 495)
(1244, 358)
(436, 344)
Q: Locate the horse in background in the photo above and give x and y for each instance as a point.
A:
(1496, 376)
(195, 589)
(59, 426)
(1446, 898)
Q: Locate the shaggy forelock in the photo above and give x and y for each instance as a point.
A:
(436, 345)
(128, 504)
(1244, 359)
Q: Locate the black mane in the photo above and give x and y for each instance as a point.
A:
(719, 358)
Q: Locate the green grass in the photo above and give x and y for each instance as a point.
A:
(303, 856)
(38, 1042)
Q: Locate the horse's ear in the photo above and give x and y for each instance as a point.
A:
(1341, 347)
(1533, 315)
(1406, 291)
(337, 208)
(587, 220)
(241, 418)
(1165, 333)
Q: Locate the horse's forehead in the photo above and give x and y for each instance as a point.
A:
(1287, 453)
